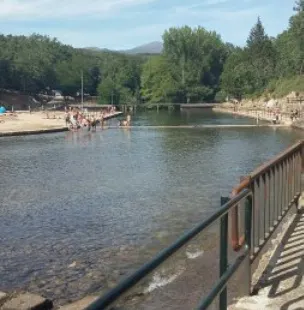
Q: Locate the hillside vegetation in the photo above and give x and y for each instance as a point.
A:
(195, 66)
(282, 87)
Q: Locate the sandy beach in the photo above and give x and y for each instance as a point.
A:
(36, 122)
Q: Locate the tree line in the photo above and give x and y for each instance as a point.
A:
(38, 64)
(196, 65)
(266, 62)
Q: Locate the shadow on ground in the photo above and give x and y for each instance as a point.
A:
(283, 278)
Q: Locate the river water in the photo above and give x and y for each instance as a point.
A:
(81, 210)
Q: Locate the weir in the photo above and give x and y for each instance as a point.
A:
(194, 126)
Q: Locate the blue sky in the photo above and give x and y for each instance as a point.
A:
(122, 24)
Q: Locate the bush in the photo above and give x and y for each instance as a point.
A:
(285, 86)
(220, 96)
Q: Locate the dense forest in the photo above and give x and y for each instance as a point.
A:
(195, 66)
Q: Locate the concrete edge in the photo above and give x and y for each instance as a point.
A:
(261, 263)
(297, 127)
(114, 115)
(3, 298)
(79, 304)
(32, 301)
(32, 132)
(266, 258)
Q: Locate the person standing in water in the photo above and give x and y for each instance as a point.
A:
(128, 119)
(101, 119)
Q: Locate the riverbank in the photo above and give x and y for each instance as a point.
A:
(25, 123)
(264, 115)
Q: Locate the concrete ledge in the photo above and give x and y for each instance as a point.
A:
(2, 296)
(298, 125)
(80, 304)
(27, 301)
(113, 115)
(32, 132)
(264, 258)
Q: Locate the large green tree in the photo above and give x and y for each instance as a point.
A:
(157, 80)
(249, 70)
(195, 58)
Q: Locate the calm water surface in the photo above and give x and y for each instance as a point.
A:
(80, 210)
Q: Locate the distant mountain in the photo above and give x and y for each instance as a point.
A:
(155, 47)
(97, 49)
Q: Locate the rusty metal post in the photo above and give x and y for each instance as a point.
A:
(223, 252)
(236, 240)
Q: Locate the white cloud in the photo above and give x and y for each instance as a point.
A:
(220, 14)
(113, 39)
(104, 38)
(54, 9)
(133, 24)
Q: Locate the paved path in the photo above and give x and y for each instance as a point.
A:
(282, 286)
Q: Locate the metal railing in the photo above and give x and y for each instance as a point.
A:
(268, 193)
(275, 186)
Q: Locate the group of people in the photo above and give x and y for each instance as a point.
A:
(294, 115)
(75, 119)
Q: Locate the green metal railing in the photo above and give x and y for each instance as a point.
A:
(268, 192)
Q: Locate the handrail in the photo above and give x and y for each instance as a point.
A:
(248, 182)
(123, 286)
(222, 283)
(261, 214)
(281, 156)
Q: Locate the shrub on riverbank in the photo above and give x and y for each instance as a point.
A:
(285, 86)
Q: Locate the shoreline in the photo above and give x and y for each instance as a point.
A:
(24, 124)
(32, 132)
(263, 115)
